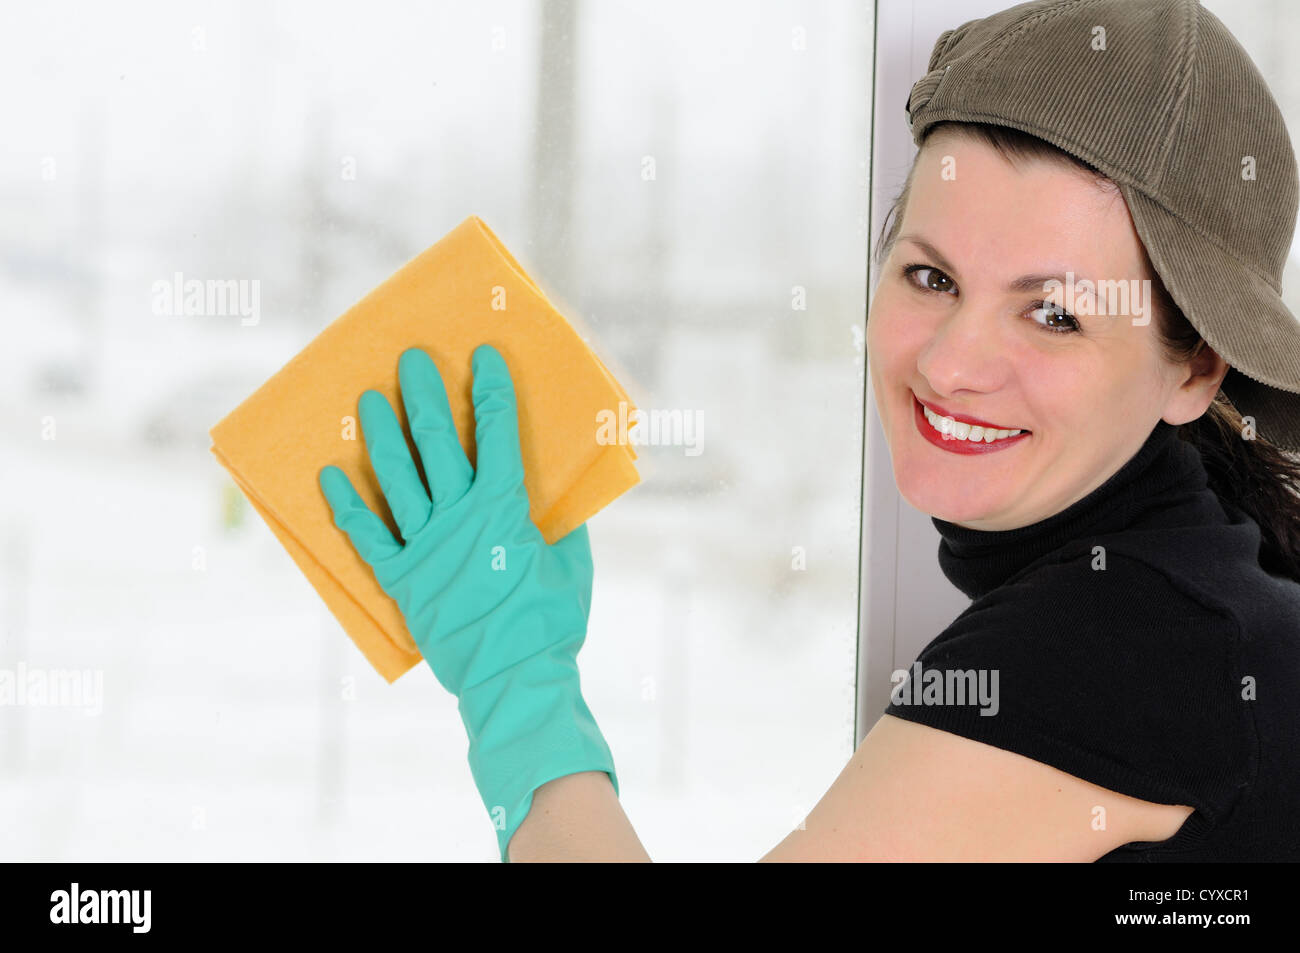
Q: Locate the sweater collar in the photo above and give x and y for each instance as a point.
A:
(978, 561)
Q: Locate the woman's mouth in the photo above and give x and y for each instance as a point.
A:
(962, 436)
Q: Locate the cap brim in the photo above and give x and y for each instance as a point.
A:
(1238, 313)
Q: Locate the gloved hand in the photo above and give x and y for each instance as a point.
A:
(497, 612)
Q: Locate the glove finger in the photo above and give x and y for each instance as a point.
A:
(496, 422)
(370, 537)
(445, 465)
(391, 459)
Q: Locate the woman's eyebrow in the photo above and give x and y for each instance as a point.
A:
(930, 250)
(1023, 283)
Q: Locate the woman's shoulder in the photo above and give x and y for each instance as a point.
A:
(1109, 667)
(1208, 570)
(1158, 662)
(1111, 591)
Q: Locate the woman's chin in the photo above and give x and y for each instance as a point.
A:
(946, 510)
(952, 504)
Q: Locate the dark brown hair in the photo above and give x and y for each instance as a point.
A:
(1254, 475)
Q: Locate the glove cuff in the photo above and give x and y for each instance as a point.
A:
(528, 726)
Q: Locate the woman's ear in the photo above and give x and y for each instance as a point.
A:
(1203, 376)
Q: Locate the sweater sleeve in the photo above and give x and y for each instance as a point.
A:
(1112, 675)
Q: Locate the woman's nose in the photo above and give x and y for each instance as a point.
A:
(966, 351)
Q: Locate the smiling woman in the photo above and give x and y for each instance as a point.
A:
(1130, 543)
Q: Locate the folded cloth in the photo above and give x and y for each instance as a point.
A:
(465, 290)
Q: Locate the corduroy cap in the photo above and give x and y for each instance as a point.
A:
(1161, 98)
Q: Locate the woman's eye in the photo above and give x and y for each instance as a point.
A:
(1056, 320)
(934, 279)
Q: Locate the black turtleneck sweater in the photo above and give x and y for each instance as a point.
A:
(1140, 646)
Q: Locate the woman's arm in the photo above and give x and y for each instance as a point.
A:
(915, 793)
(910, 793)
(577, 817)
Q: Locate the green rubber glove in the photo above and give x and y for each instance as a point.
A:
(497, 612)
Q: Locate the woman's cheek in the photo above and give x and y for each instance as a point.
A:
(892, 332)
(910, 333)
(1064, 389)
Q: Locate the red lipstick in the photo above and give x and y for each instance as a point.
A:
(954, 445)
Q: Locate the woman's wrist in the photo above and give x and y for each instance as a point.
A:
(577, 818)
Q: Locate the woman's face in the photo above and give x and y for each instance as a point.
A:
(964, 335)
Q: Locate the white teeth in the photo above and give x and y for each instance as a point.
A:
(957, 430)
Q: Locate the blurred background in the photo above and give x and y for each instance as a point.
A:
(688, 180)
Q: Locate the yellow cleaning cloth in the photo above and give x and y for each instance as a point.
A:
(464, 291)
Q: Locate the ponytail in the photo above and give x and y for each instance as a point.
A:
(1245, 469)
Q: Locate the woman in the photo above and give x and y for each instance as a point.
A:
(1121, 686)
